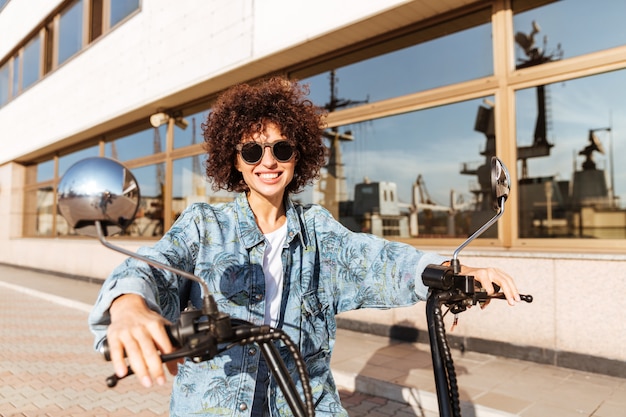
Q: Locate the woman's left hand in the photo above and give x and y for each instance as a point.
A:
(489, 276)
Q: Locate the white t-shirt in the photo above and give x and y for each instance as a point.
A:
(273, 270)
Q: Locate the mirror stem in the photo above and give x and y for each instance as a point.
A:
(456, 265)
(209, 307)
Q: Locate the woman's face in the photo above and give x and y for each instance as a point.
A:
(268, 177)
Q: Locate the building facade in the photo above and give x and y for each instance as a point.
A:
(420, 95)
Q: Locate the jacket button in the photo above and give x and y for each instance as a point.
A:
(252, 351)
(243, 407)
(259, 297)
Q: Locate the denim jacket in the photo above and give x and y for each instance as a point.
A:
(328, 269)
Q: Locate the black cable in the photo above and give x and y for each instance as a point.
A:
(444, 348)
(275, 334)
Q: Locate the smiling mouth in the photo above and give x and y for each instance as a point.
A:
(269, 176)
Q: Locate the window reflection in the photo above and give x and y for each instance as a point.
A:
(120, 9)
(460, 56)
(16, 79)
(45, 170)
(142, 143)
(70, 31)
(192, 134)
(191, 186)
(576, 190)
(40, 222)
(581, 26)
(4, 84)
(413, 174)
(149, 220)
(67, 161)
(32, 57)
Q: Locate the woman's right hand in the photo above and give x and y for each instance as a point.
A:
(140, 333)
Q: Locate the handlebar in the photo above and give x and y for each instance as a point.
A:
(458, 292)
(196, 335)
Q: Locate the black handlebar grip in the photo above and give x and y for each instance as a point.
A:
(526, 297)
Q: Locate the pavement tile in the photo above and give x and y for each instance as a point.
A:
(48, 368)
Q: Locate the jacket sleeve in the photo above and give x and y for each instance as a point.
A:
(366, 271)
(159, 288)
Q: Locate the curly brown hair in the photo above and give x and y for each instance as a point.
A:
(244, 110)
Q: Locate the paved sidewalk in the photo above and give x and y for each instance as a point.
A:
(48, 368)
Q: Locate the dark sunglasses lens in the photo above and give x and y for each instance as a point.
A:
(283, 151)
(252, 152)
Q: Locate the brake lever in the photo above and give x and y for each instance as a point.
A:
(500, 295)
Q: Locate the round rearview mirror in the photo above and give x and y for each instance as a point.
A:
(98, 190)
(500, 183)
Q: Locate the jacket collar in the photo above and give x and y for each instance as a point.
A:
(249, 232)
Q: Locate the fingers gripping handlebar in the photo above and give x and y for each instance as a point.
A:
(197, 335)
(464, 290)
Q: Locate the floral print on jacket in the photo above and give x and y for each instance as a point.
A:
(328, 269)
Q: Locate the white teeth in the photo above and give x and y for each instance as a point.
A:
(269, 176)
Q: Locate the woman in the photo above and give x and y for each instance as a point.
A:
(265, 259)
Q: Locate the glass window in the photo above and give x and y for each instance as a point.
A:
(120, 9)
(45, 170)
(15, 90)
(143, 143)
(191, 186)
(149, 220)
(457, 57)
(41, 220)
(31, 64)
(4, 84)
(192, 134)
(414, 174)
(70, 31)
(580, 26)
(571, 182)
(68, 160)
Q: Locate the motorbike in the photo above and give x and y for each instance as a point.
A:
(100, 197)
(449, 288)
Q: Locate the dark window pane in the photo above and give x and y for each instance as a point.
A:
(122, 8)
(49, 48)
(572, 185)
(96, 19)
(70, 31)
(413, 174)
(32, 60)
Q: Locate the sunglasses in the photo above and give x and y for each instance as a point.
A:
(252, 152)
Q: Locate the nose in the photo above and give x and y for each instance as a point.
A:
(268, 157)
